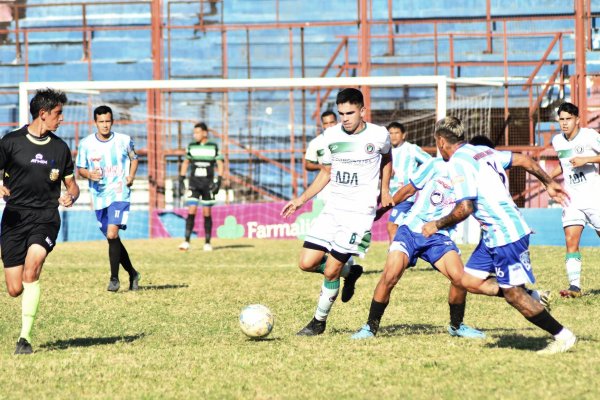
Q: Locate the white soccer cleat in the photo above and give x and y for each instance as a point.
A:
(559, 345)
(185, 246)
(207, 247)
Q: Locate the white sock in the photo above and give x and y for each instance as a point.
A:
(564, 334)
(329, 292)
(573, 265)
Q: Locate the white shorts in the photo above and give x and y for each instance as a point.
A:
(581, 216)
(343, 231)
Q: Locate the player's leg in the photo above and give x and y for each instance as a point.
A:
(192, 204)
(391, 229)
(513, 271)
(329, 292)
(208, 223)
(573, 260)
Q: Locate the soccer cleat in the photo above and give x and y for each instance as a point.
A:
(113, 285)
(314, 328)
(207, 247)
(466, 332)
(134, 282)
(559, 346)
(350, 282)
(572, 292)
(185, 246)
(363, 333)
(23, 347)
(545, 297)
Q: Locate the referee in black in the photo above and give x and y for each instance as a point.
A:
(35, 162)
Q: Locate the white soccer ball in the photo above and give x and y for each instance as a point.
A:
(256, 321)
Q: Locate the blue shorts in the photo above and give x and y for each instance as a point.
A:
(399, 211)
(510, 263)
(115, 214)
(415, 245)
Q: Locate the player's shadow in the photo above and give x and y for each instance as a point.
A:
(592, 292)
(90, 341)
(519, 342)
(372, 271)
(400, 330)
(164, 287)
(233, 246)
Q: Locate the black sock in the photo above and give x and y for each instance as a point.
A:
(457, 314)
(207, 228)
(125, 261)
(547, 322)
(114, 256)
(189, 226)
(500, 293)
(375, 314)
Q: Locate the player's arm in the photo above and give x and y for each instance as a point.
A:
(460, 212)
(133, 166)
(554, 189)
(315, 187)
(401, 194)
(386, 174)
(72, 194)
(312, 166)
(581, 161)
(556, 171)
(94, 175)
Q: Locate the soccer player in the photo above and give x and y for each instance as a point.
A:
(108, 161)
(579, 154)
(316, 147)
(476, 174)
(204, 184)
(356, 154)
(35, 162)
(436, 198)
(406, 158)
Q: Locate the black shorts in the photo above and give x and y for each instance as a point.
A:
(200, 193)
(23, 227)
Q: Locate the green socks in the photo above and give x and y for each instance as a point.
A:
(30, 302)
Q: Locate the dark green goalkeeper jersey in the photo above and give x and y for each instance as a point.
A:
(203, 158)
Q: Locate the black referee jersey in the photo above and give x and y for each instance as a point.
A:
(34, 168)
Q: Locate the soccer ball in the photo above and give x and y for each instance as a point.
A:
(256, 321)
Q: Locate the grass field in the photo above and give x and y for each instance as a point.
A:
(179, 336)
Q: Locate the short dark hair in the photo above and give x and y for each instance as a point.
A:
(396, 125)
(451, 129)
(328, 112)
(202, 126)
(481, 140)
(46, 99)
(350, 95)
(101, 110)
(568, 107)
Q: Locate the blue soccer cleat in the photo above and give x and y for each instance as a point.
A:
(466, 332)
(363, 333)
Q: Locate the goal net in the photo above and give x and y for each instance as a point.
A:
(262, 127)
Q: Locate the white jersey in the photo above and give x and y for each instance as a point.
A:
(436, 198)
(477, 174)
(112, 157)
(315, 150)
(355, 161)
(582, 183)
(406, 158)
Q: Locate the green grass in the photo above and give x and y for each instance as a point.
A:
(179, 336)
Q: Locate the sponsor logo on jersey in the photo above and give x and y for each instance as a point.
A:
(54, 174)
(369, 148)
(49, 241)
(39, 159)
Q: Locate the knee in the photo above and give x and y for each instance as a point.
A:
(14, 291)
(331, 275)
(390, 280)
(112, 235)
(306, 264)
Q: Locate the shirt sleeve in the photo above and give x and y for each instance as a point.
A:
(68, 167)
(3, 153)
(463, 176)
(326, 150)
(82, 156)
(311, 152)
(505, 158)
(595, 141)
(423, 174)
(420, 155)
(131, 149)
(387, 145)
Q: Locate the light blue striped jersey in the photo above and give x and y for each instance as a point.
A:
(113, 157)
(477, 174)
(435, 198)
(406, 158)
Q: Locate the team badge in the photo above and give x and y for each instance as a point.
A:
(54, 174)
(370, 148)
(578, 149)
(436, 198)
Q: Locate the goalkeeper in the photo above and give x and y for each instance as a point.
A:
(204, 184)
